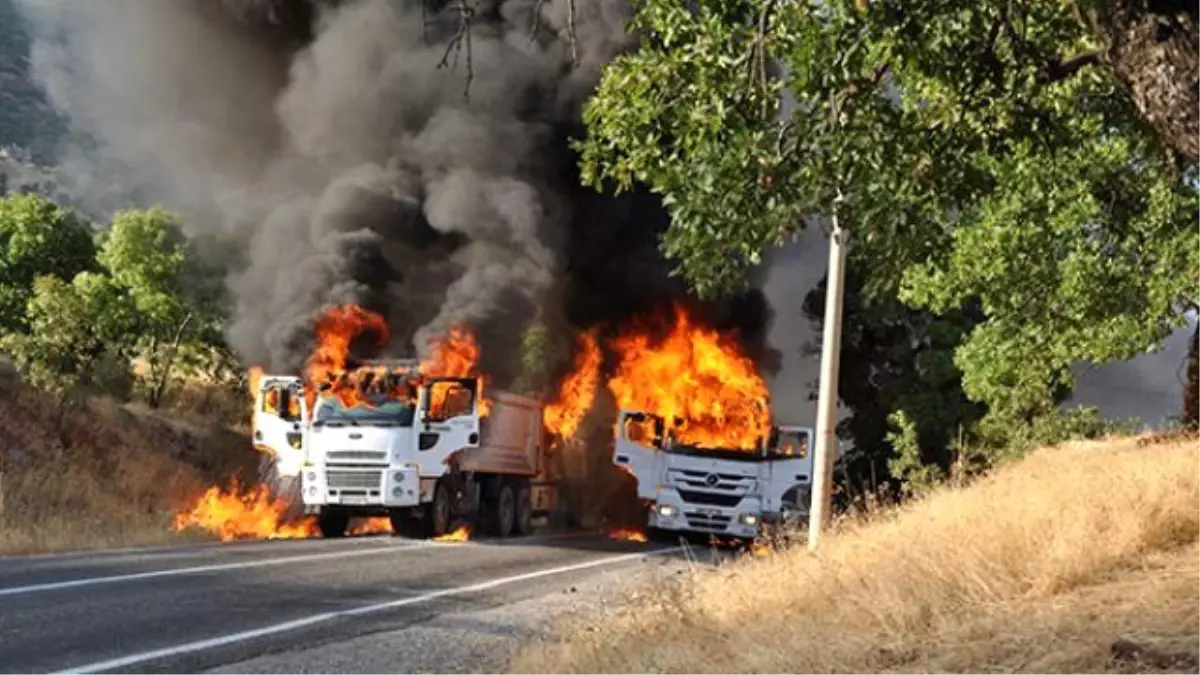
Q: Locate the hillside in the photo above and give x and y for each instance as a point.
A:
(102, 475)
(1081, 558)
(26, 119)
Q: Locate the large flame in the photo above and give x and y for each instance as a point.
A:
(240, 513)
(707, 391)
(331, 371)
(454, 355)
(577, 391)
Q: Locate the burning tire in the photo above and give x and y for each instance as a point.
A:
(333, 524)
(523, 522)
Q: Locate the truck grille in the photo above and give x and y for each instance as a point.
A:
(709, 498)
(712, 482)
(709, 522)
(356, 456)
(343, 479)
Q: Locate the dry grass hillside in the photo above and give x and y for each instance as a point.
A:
(1081, 558)
(103, 475)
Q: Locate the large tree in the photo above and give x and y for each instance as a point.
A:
(979, 153)
(173, 305)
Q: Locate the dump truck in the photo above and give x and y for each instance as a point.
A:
(727, 493)
(425, 461)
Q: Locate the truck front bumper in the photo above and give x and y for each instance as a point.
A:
(670, 512)
(372, 487)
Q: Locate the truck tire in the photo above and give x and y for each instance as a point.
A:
(523, 520)
(502, 511)
(333, 523)
(438, 513)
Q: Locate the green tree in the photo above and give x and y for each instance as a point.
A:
(67, 350)
(973, 158)
(174, 315)
(37, 238)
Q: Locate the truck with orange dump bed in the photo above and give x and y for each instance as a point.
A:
(423, 451)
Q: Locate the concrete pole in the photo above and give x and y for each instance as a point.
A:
(831, 347)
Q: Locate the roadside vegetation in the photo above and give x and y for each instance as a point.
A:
(120, 400)
(1079, 558)
(107, 474)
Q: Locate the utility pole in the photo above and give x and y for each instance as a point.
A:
(831, 348)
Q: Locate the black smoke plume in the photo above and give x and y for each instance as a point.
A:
(408, 155)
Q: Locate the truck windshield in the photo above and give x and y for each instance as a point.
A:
(387, 413)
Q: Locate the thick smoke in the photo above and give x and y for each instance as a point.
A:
(336, 150)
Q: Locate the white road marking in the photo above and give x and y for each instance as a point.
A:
(200, 645)
(96, 581)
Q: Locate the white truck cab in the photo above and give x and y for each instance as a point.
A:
(419, 459)
(725, 493)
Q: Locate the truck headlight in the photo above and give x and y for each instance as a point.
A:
(312, 476)
(748, 519)
(667, 511)
(398, 477)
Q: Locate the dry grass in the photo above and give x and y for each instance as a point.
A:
(1042, 567)
(106, 476)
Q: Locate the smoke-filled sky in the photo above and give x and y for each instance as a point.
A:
(322, 144)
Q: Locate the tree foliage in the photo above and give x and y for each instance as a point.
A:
(980, 155)
(146, 299)
(37, 238)
(66, 349)
(173, 309)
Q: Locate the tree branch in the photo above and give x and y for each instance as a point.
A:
(571, 42)
(466, 14)
(1059, 69)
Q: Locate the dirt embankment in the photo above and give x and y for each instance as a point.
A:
(1081, 558)
(102, 475)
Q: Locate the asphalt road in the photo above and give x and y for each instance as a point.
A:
(290, 606)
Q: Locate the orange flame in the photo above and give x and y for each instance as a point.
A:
(243, 514)
(454, 355)
(628, 535)
(699, 381)
(461, 534)
(331, 369)
(375, 525)
(577, 391)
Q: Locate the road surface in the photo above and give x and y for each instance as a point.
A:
(370, 604)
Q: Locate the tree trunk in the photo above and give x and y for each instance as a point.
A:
(1190, 417)
(1153, 47)
(159, 390)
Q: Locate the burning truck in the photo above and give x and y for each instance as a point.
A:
(413, 441)
(695, 433)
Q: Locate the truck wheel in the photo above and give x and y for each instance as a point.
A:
(332, 524)
(438, 512)
(503, 511)
(523, 522)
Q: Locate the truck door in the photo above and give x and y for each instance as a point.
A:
(789, 484)
(449, 417)
(637, 449)
(280, 414)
